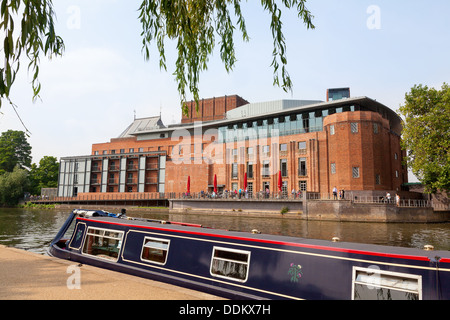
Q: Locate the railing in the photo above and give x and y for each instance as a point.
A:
(370, 199)
(249, 196)
(244, 196)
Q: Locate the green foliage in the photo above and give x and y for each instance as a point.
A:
(30, 205)
(13, 186)
(284, 210)
(45, 175)
(194, 25)
(35, 36)
(14, 151)
(426, 135)
(17, 174)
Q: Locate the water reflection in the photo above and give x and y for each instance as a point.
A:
(33, 229)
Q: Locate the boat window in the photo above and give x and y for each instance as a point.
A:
(103, 243)
(375, 284)
(230, 264)
(155, 250)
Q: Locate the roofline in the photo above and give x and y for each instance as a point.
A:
(216, 123)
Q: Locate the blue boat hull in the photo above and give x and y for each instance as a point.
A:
(240, 265)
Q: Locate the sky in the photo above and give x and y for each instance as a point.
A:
(380, 49)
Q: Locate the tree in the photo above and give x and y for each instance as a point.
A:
(13, 186)
(45, 175)
(192, 23)
(36, 36)
(14, 151)
(426, 135)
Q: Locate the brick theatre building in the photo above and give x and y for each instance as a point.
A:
(352, 143)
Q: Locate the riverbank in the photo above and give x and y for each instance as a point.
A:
(312, 210)
(26, 275)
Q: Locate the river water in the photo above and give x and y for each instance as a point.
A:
(33, 229)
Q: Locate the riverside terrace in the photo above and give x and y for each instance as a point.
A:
(309, 206)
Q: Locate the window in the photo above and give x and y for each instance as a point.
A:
(284, 188)
(265, 168)
(250, 150)
(130, 178)
(302, 167)
(395, 156)
(375, 128)
(375, 284)
(155, 250)
(250, 170)
(234, 152)
(302, 185)
(103, 243)
(283, 167)
(354, 127)
(234, 171)
(283, 147)
(302, 145)
(377, 179)
(250, 189)
(332, 129)
(230, 264)
(266, 149)
(333, 167)
(355, 172)
(266, 188)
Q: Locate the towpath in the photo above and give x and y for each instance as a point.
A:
(26, 275)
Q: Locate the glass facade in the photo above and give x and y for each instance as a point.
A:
(279, 125)
(273, 126)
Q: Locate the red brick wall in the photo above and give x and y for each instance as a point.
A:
(373, 153)
(212, 109)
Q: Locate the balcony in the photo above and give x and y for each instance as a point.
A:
(152, 166)
(151, 180)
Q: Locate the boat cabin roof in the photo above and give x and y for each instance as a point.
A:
(271, 240)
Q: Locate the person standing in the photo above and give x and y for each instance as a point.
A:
(335, 193)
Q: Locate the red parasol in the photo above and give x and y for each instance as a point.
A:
(189, 185)
(245, 181)
(280, 183)
(215, 183)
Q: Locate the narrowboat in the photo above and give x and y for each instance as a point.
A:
(251, 265)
